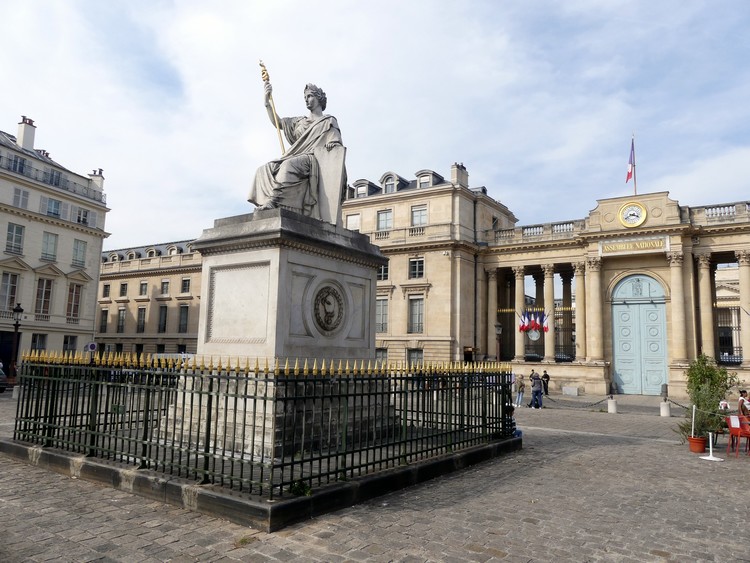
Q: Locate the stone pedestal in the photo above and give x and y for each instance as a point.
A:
(280, 285)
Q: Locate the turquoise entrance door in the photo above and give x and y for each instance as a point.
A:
(639, 336)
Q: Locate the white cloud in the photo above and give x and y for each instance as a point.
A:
(538, 100)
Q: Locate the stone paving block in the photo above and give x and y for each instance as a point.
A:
(598, 487)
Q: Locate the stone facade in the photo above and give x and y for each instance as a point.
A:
(149, 299)
(53, 223)
(474, 274)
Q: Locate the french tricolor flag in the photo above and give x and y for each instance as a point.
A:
(631, 162)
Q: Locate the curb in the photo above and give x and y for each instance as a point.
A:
(261, 514)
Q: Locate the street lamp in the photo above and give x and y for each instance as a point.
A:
(17, 312)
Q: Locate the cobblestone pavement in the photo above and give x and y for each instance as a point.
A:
(588, 486)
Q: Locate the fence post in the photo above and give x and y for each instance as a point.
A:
(207, 437)
(93, 415)
(50, 406)
(146, 418)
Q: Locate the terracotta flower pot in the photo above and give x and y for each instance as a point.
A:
(697, 444)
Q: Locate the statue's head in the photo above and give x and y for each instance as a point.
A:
(318, 93)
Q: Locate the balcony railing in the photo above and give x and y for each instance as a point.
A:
(441, 231)
(415, 328)
(547, 231)
(51, 179)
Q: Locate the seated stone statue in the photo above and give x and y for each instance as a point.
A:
(305, 179)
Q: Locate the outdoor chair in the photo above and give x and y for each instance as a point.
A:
(738, 429)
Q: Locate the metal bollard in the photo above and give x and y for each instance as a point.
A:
(611, 405)
(664, 408)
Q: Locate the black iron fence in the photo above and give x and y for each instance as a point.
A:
(728, 333)
(263, 431)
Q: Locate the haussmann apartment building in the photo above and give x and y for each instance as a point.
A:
(53, 222)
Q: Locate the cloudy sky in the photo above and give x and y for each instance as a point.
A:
(539, 99)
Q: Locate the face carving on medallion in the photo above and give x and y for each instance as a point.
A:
(328, 308)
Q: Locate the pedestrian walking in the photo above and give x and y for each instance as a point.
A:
(536, 391)
(520, 388)
(545, 382)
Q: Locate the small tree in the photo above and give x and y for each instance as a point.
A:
(707, 385)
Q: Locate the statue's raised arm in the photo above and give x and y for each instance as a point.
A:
(310, 177)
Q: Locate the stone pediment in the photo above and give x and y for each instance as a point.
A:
(49, 270)
(15, 264)
(635, 213)
(79, 275)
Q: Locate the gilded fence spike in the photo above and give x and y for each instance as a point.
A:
(257, 365)
(341, 368)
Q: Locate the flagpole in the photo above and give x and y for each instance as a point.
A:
(635, 181)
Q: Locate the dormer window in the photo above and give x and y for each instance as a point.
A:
(390, 185)
(361, 191)
(131, 255)
(424, 181)
(151, 253)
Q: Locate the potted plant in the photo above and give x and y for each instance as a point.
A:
(707, 385)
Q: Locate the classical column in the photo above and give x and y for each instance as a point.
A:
(678, 337)
(743, 259)
(491, 312)
(538, 290)
(595, 343)
(566, 277)
(580, 319)
(549, 309)
(519, 273)
(705, 291)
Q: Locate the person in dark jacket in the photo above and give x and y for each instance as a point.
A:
(545, 382)
(536, 391)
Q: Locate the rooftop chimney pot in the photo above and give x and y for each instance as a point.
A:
(26, 132)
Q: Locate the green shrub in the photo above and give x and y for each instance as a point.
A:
(707, 385)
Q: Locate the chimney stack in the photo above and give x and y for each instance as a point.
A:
(26, 131)
(459, 175)
(97, 178)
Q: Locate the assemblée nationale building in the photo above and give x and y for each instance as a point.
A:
(618, 301)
